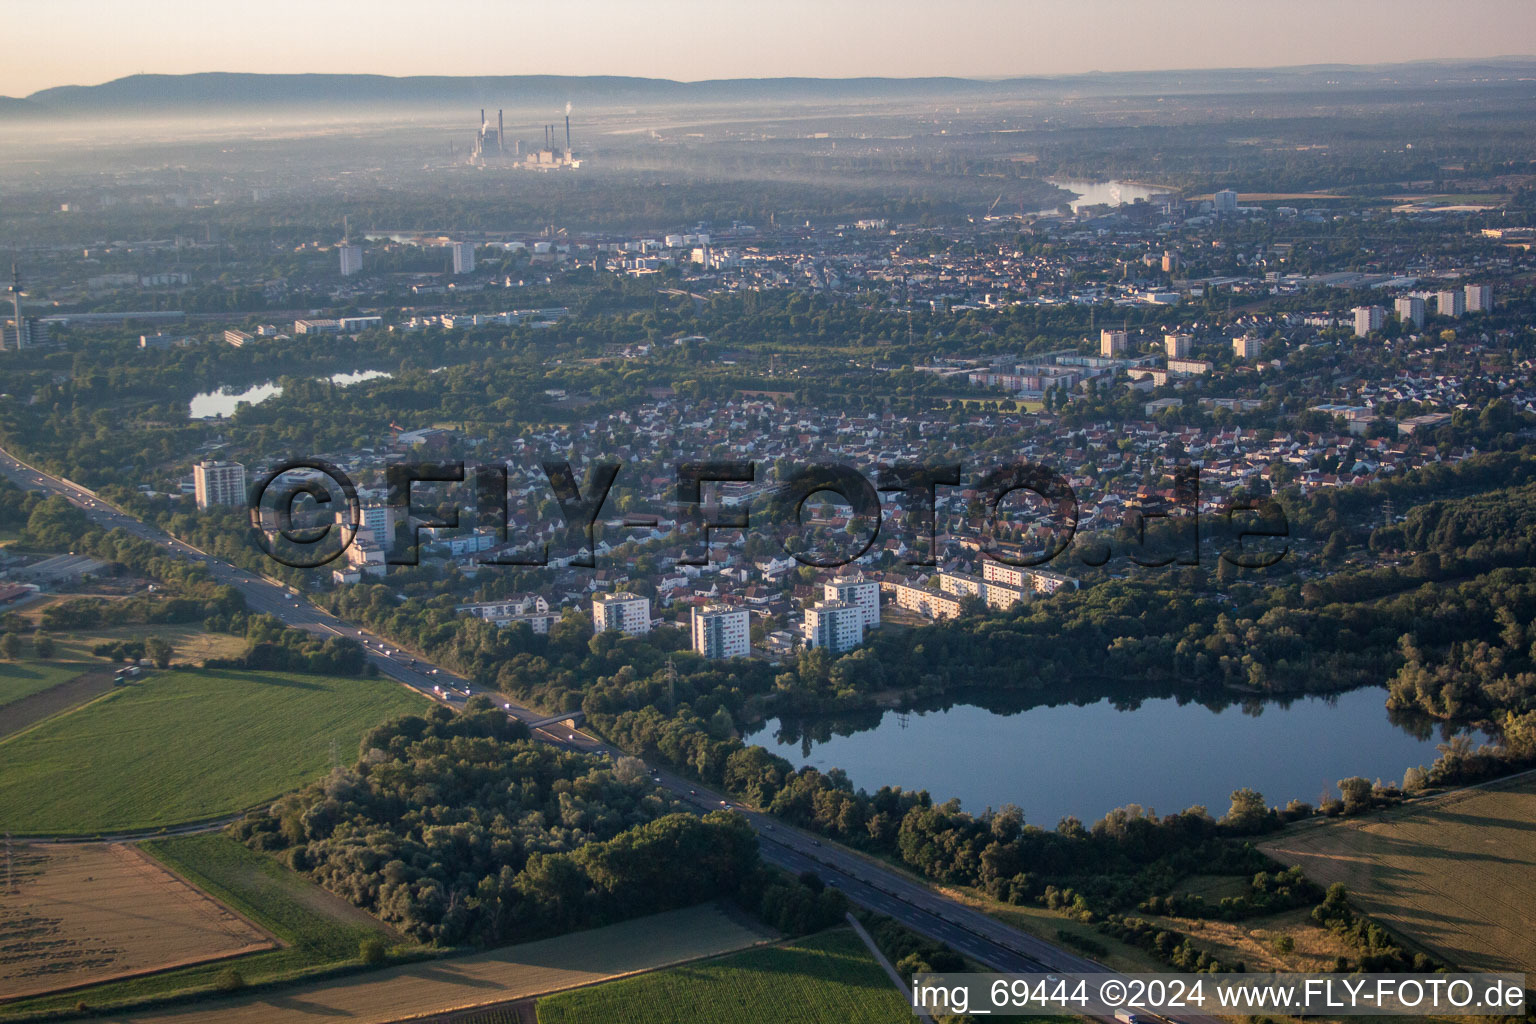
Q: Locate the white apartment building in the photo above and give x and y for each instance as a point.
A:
(1113, 343)
(719, 632)
(1246, 346)
(994, 593)
(218, 483)
(1176, 346)
(1040, 581)
(351, 259)
(934, 605)
(1189, 367)
(463, 257)
(835, 625)
(626, 613)
(1450, 302)
(381, 519)
(1368, 319)
(1479, 298)
(1410, 310)
(855, 590)
(529, 609)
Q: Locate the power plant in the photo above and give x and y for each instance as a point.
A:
(491, 146)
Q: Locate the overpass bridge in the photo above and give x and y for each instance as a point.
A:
(576, 718)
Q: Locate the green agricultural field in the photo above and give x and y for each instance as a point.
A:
(20, 679)
(825, 979)
(183, 746)
(319, 931)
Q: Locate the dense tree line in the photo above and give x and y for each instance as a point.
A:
(278, 648)
(461, 829)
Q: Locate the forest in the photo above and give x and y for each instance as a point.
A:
(460, 829)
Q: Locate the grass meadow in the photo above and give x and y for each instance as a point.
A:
(183, 746)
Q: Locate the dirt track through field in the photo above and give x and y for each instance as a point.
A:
(501, 975)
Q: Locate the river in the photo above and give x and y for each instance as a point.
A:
(1087, 760)
(1111, 193)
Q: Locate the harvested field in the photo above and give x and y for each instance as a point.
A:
(88, 913)
(1455, 873)
(498, 976)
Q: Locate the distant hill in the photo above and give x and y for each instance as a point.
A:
(202, 91)
(12, 108)
(170, 94)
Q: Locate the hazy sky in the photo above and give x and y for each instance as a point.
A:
(83, 42)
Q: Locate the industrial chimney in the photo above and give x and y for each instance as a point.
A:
(567, 134)
(501, 134)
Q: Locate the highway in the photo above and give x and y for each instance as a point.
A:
(866, 883)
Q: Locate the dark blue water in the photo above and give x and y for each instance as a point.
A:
(1085, 761)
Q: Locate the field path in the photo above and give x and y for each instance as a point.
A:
(498, 976)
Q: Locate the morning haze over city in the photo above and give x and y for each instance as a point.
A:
(666, 513)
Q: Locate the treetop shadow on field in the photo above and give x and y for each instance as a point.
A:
(1482, 821)
(425, 972)
(822, 965)
(285, 682)
(297, 1005)
(1382, 843)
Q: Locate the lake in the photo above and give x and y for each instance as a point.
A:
(207, 404)
(1088, 760)
(1112, 193)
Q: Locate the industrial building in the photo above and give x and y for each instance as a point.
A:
(491, 146)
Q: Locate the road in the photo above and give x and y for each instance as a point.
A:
(867, 884)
